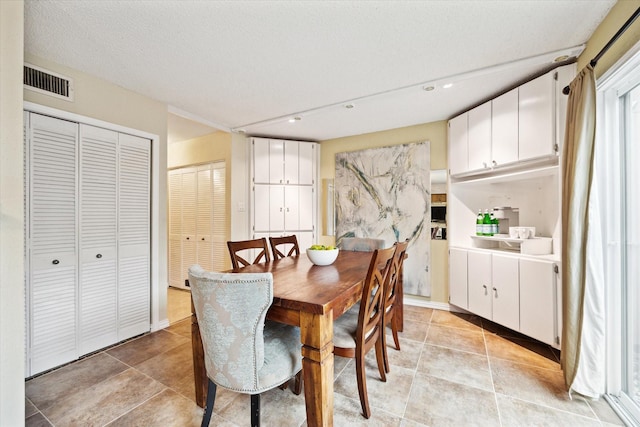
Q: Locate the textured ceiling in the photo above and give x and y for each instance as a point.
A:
(252, 65)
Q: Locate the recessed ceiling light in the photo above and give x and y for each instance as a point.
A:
(241, 131)
(428, 88)
(349, 106)
(447, 85)
(561, 58)
(292, 120)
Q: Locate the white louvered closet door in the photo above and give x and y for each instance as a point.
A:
(204, 218)
(52, 297)
(189, 214)
(134, 258)
(98, 238)
(220, 252)
(175, 228)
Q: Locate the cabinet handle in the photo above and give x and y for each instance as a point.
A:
(55, 262)
(203, 238)
(287, 181)
(287, 209)
(495, 292)
(280, 181)
(187, 238)
(99, 256)
(484, 165)
(485, 289)
(494, 163)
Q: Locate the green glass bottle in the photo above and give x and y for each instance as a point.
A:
(479, 223)
(486, 223)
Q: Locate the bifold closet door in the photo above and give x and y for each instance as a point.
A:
(52, 218)
(98, 238)
(134, 239)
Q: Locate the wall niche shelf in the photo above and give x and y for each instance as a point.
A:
(533, 246)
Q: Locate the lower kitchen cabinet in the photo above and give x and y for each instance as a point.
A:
(516, 292)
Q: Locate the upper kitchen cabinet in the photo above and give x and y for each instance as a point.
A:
(283, 162)
(520, 127)
(458, 148)
(479, 137)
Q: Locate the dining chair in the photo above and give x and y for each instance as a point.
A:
(242, 352)
(390, 300)
(238, 261)
(285, 241)
(361, 327)
(361, 244)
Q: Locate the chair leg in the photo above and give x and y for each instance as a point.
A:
(255, 410)
(208, 409)
(394, 330)
(297, 385)
(385, 356)
(362, 386)
(380, 358)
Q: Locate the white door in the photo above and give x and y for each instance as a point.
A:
(189, 218)
(504, 128)
(204, 218)
(98, 290)
(505, 290)
(537, 300)
(260, 161)
(276, 208)
(479, 279)
(134, 243)
(305, 212)
(290, 162)
(175, 228)
(479, 137)
(276, 161)
(291, 210)
(306, 163)
(52, 286)
(458, 148)
(261, 208)
(458, 277)
(536, 118)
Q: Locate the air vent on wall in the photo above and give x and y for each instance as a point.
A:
(47, 82)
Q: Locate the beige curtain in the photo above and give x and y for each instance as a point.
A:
(583, 331)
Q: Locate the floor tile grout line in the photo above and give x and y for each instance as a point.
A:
(415, 371)
(595, 417)
(137, 406)
(493, 384)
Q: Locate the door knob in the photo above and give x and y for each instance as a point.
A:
(55, 262)
(99, 256)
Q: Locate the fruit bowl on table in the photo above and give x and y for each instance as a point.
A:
(322, 255)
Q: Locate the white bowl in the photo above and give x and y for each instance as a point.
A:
(322, 257)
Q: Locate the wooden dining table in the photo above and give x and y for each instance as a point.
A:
(310, 297)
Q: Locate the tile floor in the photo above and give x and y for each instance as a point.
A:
(453, 370)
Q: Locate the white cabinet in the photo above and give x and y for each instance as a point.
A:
(284, 189)
(479, 137)
(504, 128)
(505, 290)
(479, 274)
(538, 302)
(279, 161)
(537, 121)
(458, 277)
(197, 230)
(458, 147)
(88, 246)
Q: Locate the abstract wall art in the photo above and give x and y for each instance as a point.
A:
(385, 193)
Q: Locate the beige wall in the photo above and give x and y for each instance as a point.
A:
(98, 99)
(618, 15)
(436, 134)
(11, 216)
(210, 148)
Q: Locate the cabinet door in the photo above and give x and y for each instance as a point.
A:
(98, 238)
(479, 137)
(52, 292)
(536, 118)
(458, 277)
(175, 228)
(504, 271)
(305, 210)
(291, 208)
(189, 220)
(276, 161)
(260, 161)
(458, 148)
(204, 218)
(134, 249)
(261, 208)
(305, 240)
(291, 162)
(504, 128)
(306, 164)
(276, 208)
(537, 300)
(479, 279)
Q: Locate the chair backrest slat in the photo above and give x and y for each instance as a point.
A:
(285, 240)
(238, 261)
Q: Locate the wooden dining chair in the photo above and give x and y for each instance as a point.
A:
(284, 243)
(238, 261)
(390, 300)
(361, 328)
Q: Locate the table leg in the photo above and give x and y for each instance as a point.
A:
(399, 314)
(199, 370)
(316, 334)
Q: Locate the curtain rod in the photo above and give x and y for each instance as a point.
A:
(606, 47)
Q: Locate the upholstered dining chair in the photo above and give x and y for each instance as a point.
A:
(361, 328)
(390, 300)
(242, 352)
(361, 244)
(235, 248)
(284, 243)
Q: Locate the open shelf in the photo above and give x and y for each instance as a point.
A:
(533, 246)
